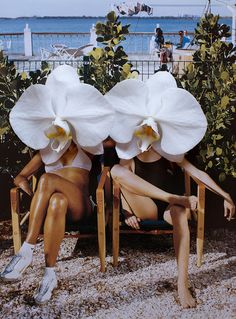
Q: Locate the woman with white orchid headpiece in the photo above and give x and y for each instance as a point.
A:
(155, 124)
(67, 122)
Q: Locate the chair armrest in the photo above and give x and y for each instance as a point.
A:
(103, 179)
(15, 199)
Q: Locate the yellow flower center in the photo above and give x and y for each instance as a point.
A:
(147, 131)
(56, 132)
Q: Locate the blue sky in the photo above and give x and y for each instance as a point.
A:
(16, 8)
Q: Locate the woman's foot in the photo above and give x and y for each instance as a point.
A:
(185, 297)
(46, 287)
(185, 201)
(15, 268)
(18, 263)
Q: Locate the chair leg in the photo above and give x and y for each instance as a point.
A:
(200, 223)
(16, 232)
(116, 224)
(187, 183)
(101, 229)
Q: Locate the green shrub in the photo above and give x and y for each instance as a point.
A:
(211, 78)
(108, 65)
(14, 154)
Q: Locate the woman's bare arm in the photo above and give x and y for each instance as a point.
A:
(21, 180)
(203, 177)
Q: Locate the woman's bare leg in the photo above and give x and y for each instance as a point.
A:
(132, 187)
(54, 197)
(136, 185)
(54, 227)
(177, 216)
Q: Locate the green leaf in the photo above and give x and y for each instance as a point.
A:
(3, 130)
(222, 177)
(224, 75)
(218, 151)
(119, 28)
(116, 41)
(111, 16)
(100, 39)
(210, 164)
(224, 101)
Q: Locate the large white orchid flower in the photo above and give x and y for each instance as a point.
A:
(155, 114)
(48, 117)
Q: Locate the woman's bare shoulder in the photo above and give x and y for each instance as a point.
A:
(127, 163)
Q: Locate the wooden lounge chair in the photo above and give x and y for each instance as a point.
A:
(159, 227)
(19, 218)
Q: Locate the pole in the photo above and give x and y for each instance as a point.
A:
(86, 68)
(28, 41)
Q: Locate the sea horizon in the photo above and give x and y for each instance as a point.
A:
(186, 16)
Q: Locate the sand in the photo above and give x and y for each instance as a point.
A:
(143, 285)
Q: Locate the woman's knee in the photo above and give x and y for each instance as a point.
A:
(118, 172)
(45, 182)
(58, 204)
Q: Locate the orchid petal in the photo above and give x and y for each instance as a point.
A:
(181, 120)
(95, 150)
(58, 82)
(89, 113)
(62, 77)
(124, 126)
(128, 150)
(31, 115)
(128, 98)
(49, 156)
(160, 82)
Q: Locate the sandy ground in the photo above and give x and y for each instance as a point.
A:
(143, 286)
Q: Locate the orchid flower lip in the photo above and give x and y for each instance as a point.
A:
(59, 134)
(147, 132)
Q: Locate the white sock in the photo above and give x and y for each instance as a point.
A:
(27, 249)
(50, 272)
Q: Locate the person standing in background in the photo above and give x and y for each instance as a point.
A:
(159, 38)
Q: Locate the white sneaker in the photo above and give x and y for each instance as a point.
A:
(45, 289)
(16, 267)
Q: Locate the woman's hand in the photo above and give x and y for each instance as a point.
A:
(133, 222)
(229, 208)
(22, 182)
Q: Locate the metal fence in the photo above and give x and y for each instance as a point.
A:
(145, 68)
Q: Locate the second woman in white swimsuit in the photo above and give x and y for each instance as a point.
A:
(62, 194)
(64, 116)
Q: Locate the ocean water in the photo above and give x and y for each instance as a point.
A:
(137, 44)
(80, 24)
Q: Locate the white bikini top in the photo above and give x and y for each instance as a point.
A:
(81, 160)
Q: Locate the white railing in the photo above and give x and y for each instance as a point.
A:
(31, 43)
